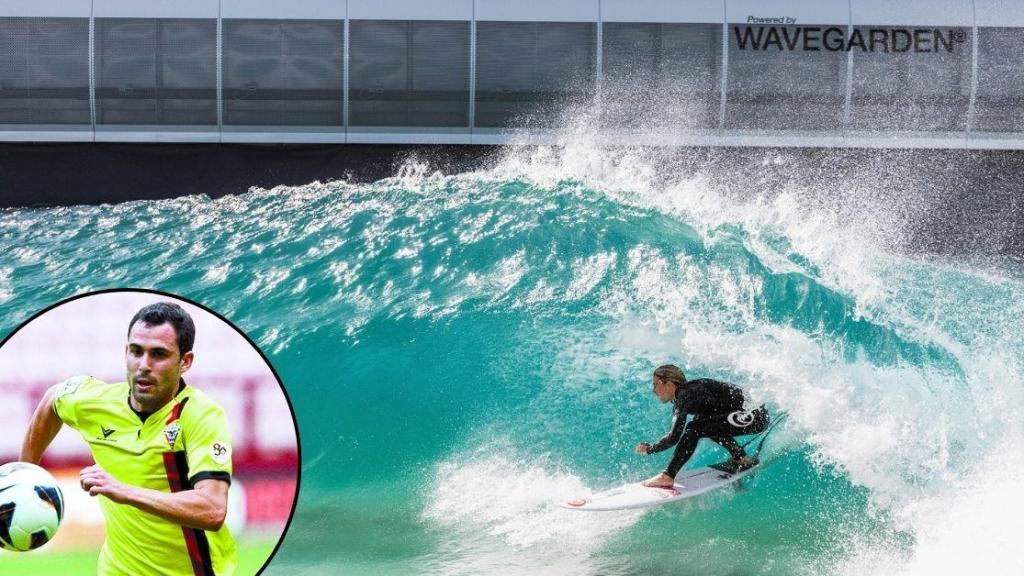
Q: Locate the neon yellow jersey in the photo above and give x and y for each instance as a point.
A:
(185, 441)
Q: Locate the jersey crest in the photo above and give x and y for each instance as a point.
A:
(171, 432)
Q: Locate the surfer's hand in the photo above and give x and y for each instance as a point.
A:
(643, 448)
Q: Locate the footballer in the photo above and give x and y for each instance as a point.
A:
(162, 451)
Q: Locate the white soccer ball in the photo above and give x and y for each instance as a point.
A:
(31, 506)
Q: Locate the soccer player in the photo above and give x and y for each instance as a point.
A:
(162, 452)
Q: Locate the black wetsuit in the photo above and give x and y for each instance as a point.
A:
(718, 413)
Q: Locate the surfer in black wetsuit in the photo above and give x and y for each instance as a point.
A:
(718, 414)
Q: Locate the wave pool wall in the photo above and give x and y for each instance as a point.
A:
(826, 73)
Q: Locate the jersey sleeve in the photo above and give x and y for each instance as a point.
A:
(208, 446)
(70, 395)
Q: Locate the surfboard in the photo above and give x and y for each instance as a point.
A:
(687, 485)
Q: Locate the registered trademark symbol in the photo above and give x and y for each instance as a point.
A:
(959, 35)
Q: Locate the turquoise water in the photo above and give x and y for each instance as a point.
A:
(463, 350)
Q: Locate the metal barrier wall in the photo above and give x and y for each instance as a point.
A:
(920, 73)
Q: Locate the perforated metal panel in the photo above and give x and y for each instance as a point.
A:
(999, 104)
(896, 87)
(156, 71)
(776, 83)
(661, 75)
(283, 72)
(44, 71)
(528, 73)
(409, 73)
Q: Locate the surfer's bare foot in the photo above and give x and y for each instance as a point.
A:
(743, 463)
(660, 481)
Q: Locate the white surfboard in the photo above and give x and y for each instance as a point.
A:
(687, 484)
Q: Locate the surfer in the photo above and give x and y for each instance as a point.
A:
(718, 414)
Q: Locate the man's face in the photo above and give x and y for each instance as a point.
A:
(664, 389)
(154, 365)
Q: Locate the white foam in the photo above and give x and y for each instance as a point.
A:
(972, 528)
(502, 519)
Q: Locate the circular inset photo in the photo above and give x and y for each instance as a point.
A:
(141, 434)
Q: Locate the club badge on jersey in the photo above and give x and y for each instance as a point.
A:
(171, 433)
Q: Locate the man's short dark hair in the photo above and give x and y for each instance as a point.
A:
(670, 372)
(168, 312)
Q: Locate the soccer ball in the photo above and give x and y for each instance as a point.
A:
(31, 506)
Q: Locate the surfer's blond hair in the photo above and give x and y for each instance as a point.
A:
(670, 372)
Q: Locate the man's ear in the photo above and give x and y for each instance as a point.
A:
(186, 361)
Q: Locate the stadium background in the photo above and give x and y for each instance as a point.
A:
(87, 336)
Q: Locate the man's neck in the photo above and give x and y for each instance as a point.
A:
(143, 414)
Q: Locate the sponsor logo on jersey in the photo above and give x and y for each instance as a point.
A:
(220, 452)
(106, 431)
(70, 386)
